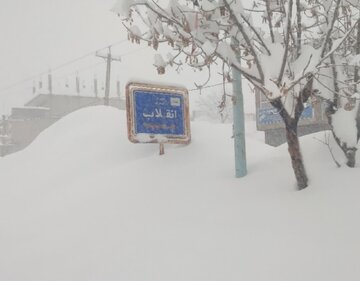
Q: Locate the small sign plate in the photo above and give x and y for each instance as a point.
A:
(268, 115)
(157, 114)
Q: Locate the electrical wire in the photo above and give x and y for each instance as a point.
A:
(59, 66)
(81, 70)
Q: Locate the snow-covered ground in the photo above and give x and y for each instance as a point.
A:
(82, 203)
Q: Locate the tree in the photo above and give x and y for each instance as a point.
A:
(341, 83)
(283, 43)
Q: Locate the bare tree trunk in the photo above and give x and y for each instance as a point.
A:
(350, 155)
(295, 152)
(291, 125)
(294, 147)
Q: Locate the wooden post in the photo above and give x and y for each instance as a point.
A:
(162, 149)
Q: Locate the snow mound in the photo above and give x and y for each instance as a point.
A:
(83, 203)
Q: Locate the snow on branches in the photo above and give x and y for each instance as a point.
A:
(290, 50)
(281, 42)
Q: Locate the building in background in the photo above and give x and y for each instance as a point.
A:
(25, 123)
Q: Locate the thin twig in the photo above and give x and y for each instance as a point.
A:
(327, 143)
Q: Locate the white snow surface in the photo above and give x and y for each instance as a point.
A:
(83, 203)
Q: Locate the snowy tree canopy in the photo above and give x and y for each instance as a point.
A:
(290, 50)
(282, 42)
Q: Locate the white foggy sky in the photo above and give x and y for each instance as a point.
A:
(38, 35)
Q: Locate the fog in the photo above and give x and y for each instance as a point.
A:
(42, 35)
(62, 37)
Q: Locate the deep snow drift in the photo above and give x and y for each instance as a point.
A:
(83, 203)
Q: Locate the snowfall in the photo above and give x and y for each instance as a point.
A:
(82, 203)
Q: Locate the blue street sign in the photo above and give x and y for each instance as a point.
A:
(268, 114)
(157, 114)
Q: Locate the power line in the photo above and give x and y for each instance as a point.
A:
(59, 66)
(91, 67)
(99, 63)
(81, 70)
(59, 78)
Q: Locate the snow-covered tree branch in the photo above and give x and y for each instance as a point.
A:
(286, 47)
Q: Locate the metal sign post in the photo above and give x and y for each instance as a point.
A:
(239, 120)
(157, 114)
(239, 126)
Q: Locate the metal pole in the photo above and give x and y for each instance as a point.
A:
(95, 87)
(118, 90)
(77, 84)
(239, 125)
(107, 86)
(50, 83)
(108, 58)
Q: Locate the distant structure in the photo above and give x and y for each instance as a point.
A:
(268, 120)
(25, 123)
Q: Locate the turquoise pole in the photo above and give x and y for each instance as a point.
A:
(239, 125)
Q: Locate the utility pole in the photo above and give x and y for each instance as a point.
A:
(109, 58)
(50, 88)
(95, 86)
(77, 81)
(239, 123)
(34, 88)
(118, 89)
